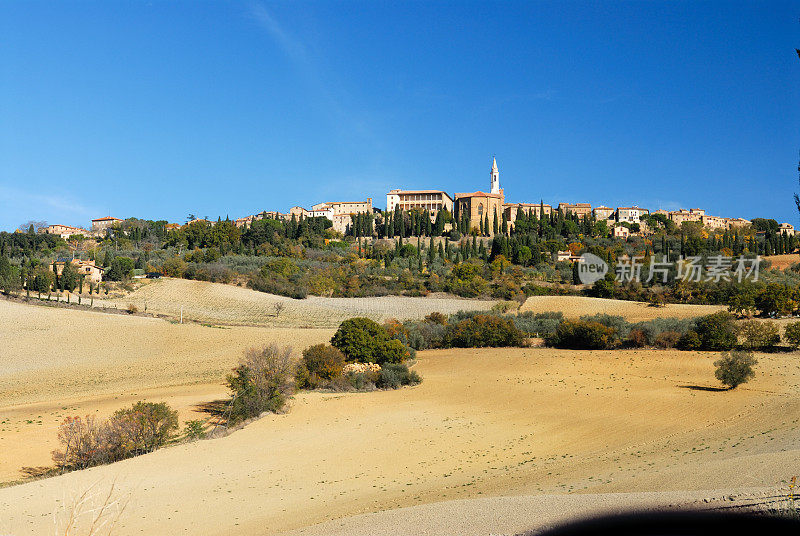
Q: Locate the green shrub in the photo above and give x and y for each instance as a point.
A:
(757, 334)
(194, 429)
(320, 363)
(689, 341)
(261, 382)
(655, 327)
(394, 376)
(142, 428)
(365, 341)
(716, 331)
(792, 333)
(735, 368)
(582, 335)
(620, 326)
(423, 335)
(482, 331)
(358, 338)
(121, 268)
(539, 324)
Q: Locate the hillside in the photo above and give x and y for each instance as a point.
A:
(483, 423)
(58, 362)
(217, 303)
(576, 306)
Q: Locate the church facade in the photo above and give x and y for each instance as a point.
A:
(482, 206)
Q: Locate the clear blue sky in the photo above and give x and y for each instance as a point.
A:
(161, 109)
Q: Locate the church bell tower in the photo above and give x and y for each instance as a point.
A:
(495, 177)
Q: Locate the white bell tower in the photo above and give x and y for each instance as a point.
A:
(494, 176)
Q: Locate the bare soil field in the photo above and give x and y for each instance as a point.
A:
(576, 306)
(484, 423)
(56, 362)
(228, 304)
(782, 262)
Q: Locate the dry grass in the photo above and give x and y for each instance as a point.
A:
(576, 306)
(217, 303)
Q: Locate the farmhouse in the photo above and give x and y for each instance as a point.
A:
(88, 269)
(620, 231)
(64, 231)
(102, 224)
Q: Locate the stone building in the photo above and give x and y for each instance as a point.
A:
(429, 200)
(713, 222)
(88, 269)
(631, 214)
(581, 209)
(603, 213)
(514, 210)
(480, 205)
(64, 231)
(102, 224)
(340, 212)
(682, 215)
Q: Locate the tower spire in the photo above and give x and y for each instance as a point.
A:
(494, 177)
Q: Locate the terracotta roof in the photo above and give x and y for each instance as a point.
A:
(107, 218)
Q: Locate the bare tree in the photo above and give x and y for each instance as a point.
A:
(25, 227)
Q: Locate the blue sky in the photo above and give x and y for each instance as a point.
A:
(161, 109)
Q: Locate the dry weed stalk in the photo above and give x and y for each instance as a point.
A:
(99, 512)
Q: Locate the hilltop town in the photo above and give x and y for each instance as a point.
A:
(481, 213)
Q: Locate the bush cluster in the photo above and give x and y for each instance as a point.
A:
(582, 335)
(320, 364)
(365, 341)
(262, 382)
(129, 432)
(363, 356)
(755, 335)
(538, 324)
(714, 332)
(481, 331)
(464, 329)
